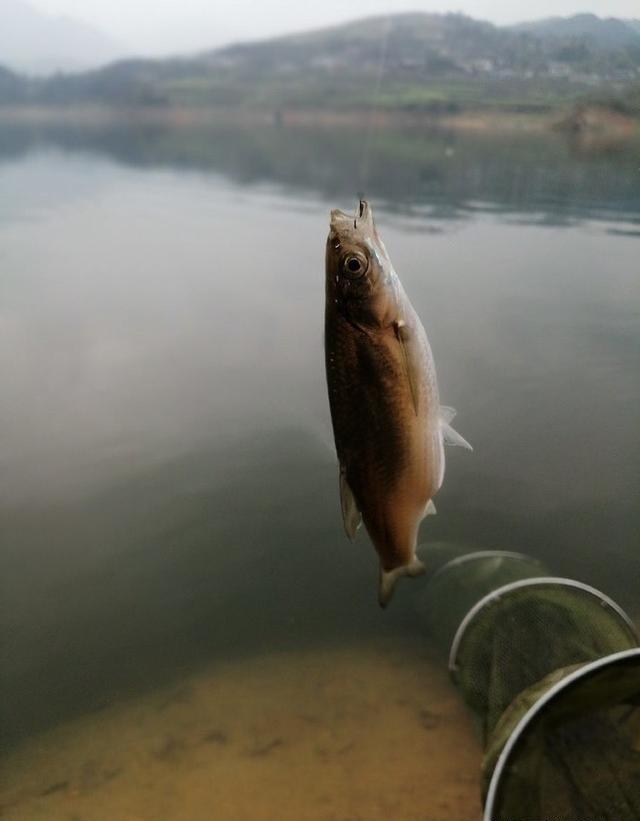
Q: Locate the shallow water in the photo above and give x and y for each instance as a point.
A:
(170, 521)
(321, 734)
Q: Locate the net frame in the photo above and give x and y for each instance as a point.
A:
(448, 596)
(528, 722)
(556, 581)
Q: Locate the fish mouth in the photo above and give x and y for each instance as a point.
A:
(341, 221)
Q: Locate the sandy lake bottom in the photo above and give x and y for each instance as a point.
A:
(374, 731)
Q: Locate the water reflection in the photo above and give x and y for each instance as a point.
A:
(541, 176)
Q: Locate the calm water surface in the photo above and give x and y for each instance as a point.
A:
(169, 494)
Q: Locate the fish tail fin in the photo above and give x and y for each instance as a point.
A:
(388, 578)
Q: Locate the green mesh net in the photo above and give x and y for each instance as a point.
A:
(460, 583)
(520, 633)
(569, 747)
(515, 636)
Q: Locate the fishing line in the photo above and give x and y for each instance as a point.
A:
(373, 111)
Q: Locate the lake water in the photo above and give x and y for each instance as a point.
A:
(185, 625)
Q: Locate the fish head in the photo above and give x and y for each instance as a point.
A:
(359, 272)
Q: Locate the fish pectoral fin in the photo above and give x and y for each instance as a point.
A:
(402, 335)
(388, 578)
(452, 437)
(351, 517)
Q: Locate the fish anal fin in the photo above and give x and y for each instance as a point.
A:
(389, 578)
(430, 509)
(403, 336)
(351, 517)
(452, 437)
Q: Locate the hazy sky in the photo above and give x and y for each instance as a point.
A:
(158, 26)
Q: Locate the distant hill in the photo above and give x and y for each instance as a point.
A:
(602, 34)
(413, 40)
(426, 62)
(37, 43)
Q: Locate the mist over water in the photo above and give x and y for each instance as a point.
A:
(170, 493)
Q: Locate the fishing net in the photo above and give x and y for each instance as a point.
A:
(550, 669)
(572, 749)
(457, 585)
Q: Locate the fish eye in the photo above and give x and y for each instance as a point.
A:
(354, 266)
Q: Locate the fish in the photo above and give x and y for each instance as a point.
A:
(388, 424)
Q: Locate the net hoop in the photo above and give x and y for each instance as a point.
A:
(482, 554)
(510, 748)
(542, 581)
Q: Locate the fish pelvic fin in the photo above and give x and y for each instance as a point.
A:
(452, 437)
(389, 578)
(449, 435)
(351, 517)
(447, 414)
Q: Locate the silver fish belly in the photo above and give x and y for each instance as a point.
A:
(389, 426)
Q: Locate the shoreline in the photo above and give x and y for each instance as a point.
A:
(589, 121)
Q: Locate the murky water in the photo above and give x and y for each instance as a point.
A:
(185, 625)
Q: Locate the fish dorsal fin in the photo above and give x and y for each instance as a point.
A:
(402, 335)
(351, 517)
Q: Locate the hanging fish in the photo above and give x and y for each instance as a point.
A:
(388, 424)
